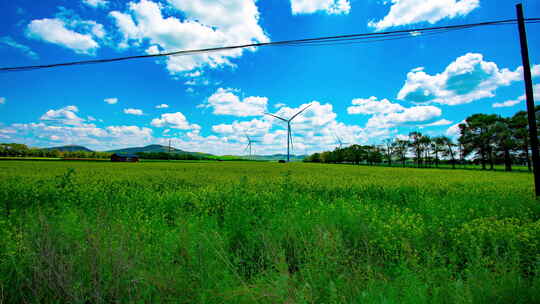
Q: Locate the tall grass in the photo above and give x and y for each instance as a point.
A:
(265, 233)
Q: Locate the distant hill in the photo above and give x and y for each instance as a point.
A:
(70, 148)
(153, 149)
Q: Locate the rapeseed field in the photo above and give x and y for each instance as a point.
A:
(248, 232)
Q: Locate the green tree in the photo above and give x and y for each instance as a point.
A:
(415, 143)
(477, 135)
(400, 147)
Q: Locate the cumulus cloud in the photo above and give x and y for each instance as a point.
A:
(385, 114)
(226, 102)
(133, 111)
(465, 80)
(255, 127)
(56, 31)
(373, 106)
(314, 130)
(2, 100)
(66, 115)
(112, 100)
(200, 24)
(96, 3)
(453, 131)
(65, 127)
(119, 131)
(332, 7)
(509, 103)
(535, 70)
(403, 12)
(175, 121)
(513, 102)
(162, 106)
(441, 122)
(406, 116)
(85, 134)
(21, 47)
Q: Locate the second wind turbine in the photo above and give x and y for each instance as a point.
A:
(289, 135)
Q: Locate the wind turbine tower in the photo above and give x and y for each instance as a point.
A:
(250, 143)
(289, 135)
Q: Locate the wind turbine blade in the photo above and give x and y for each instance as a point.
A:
(309, 105)
(276, 117)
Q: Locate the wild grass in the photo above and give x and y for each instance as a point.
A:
(239, 232)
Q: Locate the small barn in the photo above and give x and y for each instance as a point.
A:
(131, 158)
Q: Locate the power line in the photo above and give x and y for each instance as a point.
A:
(327, 40)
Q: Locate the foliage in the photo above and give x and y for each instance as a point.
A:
(20, 150)
(484, 139)
(249, 232)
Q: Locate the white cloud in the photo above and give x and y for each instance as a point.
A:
(65, 115)
(162, 106)
(194, 74)
(120, 131)
(465, 80)
(255, 127)
(40, 134)
(279, 105)
(316, 116)
(225, 102)
(175, 121)
(535, 70)
(513, 102)
(56, 31)
(2, 100)
(112, 100)
(6, 133)
(403, 12)
(408, 115)
(133, 111)
(23, 48)
(97, 29)
(332, 7)
(441, 122)
(386, 114)
(453, 130)
(509, 103)
(312, 131)
(203, 24)
(373, 106)
(96, 3)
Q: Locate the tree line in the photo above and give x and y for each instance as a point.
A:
(21, 150)
(484, 139)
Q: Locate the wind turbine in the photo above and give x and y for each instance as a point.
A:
(340, 142)
(250, 142)
(289, 135)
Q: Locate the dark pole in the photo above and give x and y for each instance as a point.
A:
(533, 133)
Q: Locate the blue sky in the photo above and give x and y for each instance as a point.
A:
(363, 93)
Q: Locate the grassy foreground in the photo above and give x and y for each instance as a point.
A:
(237, 232)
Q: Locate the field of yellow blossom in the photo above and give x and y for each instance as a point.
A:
(250, 232)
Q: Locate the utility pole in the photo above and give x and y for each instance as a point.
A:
(533, 133)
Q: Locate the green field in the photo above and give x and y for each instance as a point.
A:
(240, 232)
